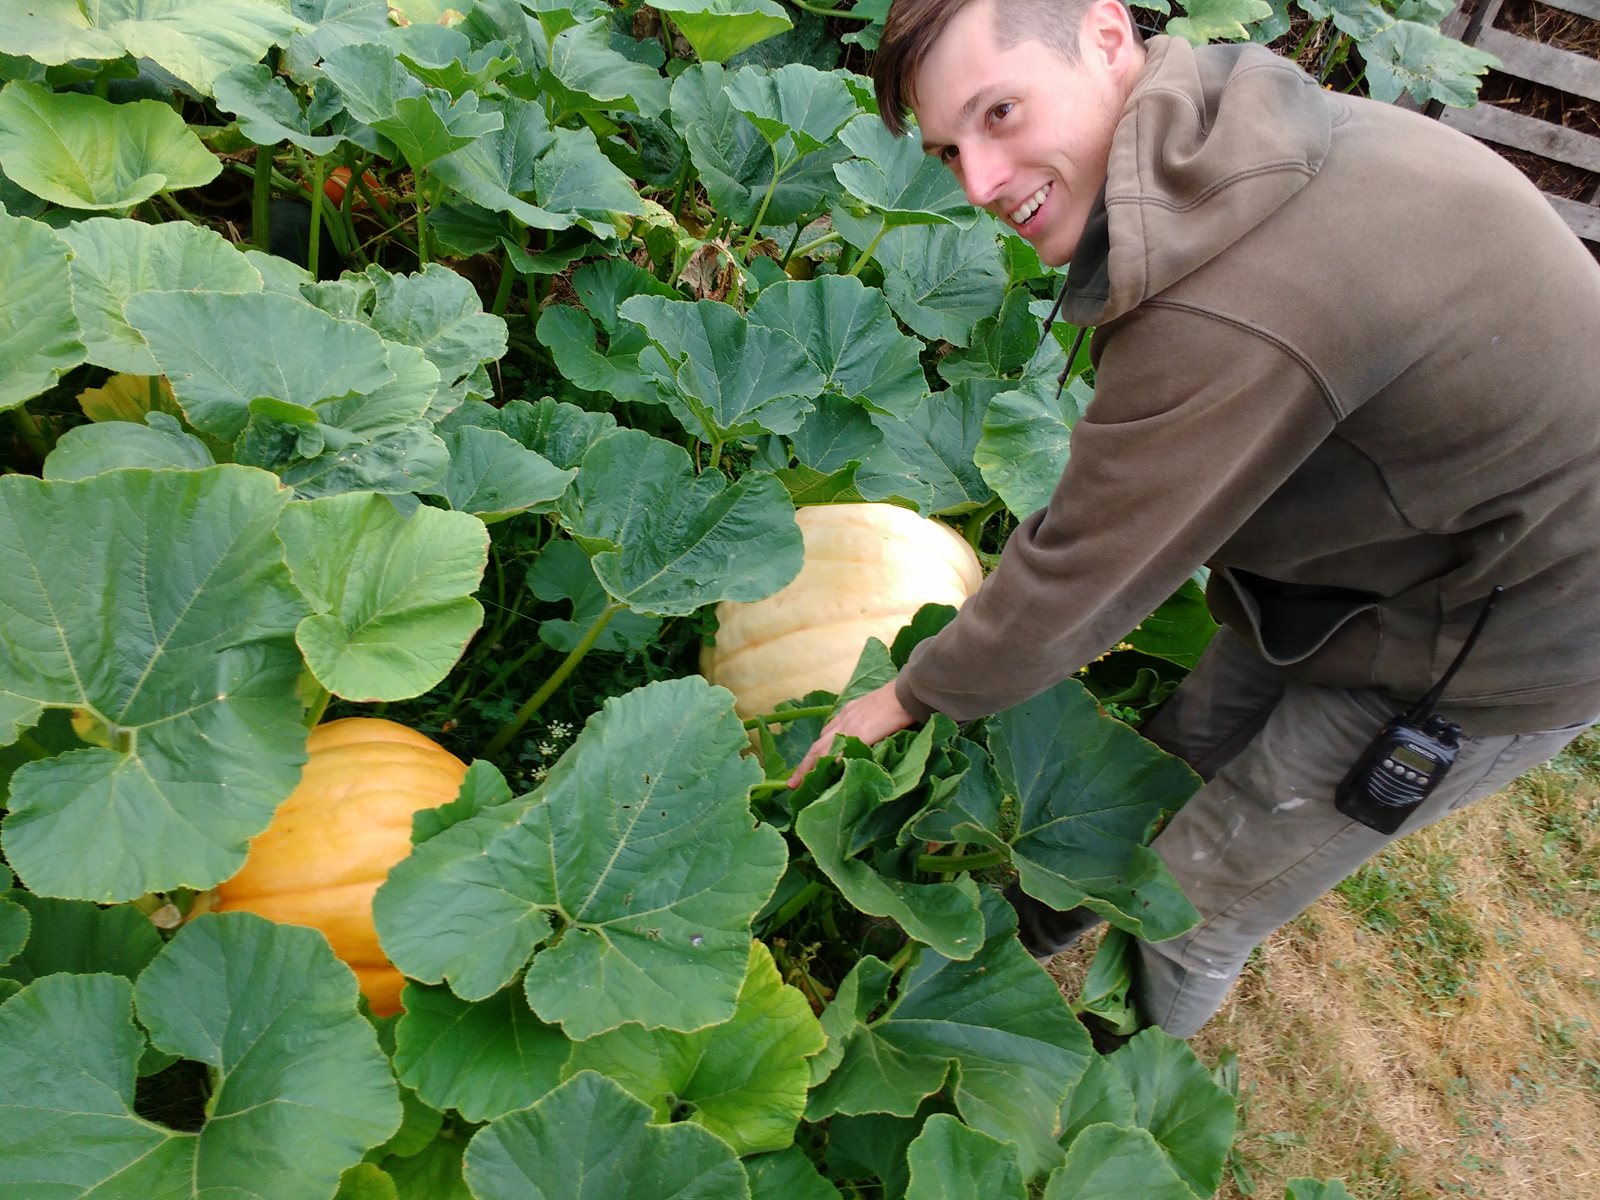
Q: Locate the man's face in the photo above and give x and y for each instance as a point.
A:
(1026, 134)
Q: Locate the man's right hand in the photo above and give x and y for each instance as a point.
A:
(871, 718)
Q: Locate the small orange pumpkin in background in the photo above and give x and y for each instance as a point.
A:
(868, 568)
(332, 842)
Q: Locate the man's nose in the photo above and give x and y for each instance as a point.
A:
(983, 174)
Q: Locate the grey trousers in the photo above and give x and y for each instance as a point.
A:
(1262, 840)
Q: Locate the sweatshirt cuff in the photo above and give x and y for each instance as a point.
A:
(908, 699)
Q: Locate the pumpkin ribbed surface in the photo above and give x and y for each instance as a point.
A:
(332, 842)
(868, 568)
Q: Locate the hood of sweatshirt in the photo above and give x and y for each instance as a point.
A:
(1209, 145)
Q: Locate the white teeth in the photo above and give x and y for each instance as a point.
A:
(1030, 205)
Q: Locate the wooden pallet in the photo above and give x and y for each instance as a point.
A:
(1552, 67)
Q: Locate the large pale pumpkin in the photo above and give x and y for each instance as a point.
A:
(332, 842)
(868, 568)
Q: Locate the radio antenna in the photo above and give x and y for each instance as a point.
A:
(1424, 707)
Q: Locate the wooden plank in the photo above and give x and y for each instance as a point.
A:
(1526, 133)
(1538, 63)
(1584, 8)
(1584, 218)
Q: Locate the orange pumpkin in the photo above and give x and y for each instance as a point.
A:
(867, 569)
(333, 841)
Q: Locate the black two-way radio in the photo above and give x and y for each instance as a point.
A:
(1410, 755)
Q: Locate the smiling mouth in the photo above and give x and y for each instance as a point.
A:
(1021, 215)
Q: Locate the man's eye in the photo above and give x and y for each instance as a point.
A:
(947, 155)
(1000, 111)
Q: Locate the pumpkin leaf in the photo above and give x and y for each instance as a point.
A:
(1408, 56)
(724, 376)
(115, 259)
(493, 477)
(1107, 1162)
(654, 875)
(586, 72)
(892, 176)
(1089, 789)
(1218, 20)
(80, 938)
(735, 161)
(796, 108)
(268, 111)
(196, 40)
(944, 915)
(40, 336)
(1189, 1114)
(620, 1154)
(787, 1175)
(1026, 432)
(482, 1059)
(941, 281)
(223, 351)
(563, 572)
(951, 1161)
(196, 691)
(744, 1080)
(719, 29)
(392, 596)
(996, 1026)
(851, 337)
(302, 1088)
(81, 151)
(667, 541)
(934, 443)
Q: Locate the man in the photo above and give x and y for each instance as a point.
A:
(1346, 356)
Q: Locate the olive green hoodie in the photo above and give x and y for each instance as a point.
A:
(1348, 357)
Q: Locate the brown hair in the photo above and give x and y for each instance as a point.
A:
(913, 26)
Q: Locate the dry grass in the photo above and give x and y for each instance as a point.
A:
(1433, 1028)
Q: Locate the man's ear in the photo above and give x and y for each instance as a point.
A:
(1107, 38)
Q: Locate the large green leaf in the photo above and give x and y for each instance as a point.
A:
(496, 172)
(994, 1032)
(1179, 630)
(562, 433)
(1110, 1162)
(438, 311)
(950, 1161)
(850, 336)
(80, 938)
(639, 844)
(943, 914)
(392, 596)
(586, 72)
(563, 572)
(744, 1080)
(40, 338)
(114, 259)
(1002, 345)
(301, 1088)
(575, 178)
(1189, 1114)
(1026, 435)
(169, 628)
(1218, 20)
(590, 1140)
(196, 40)
(892, 176)
(569, 335)
(268, 111)
(221, 352)
(787, 1175)
(796, 108)
(942, 281)
(937, 440)
(1361, 19)
(725, 376)
(84, 152)
(482, 1059)
(424, 123)
(667, 541)
(329, 24)
(494, 478)
(719, 29)
(1410, 57)
(1089, 789)
(735, 161)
